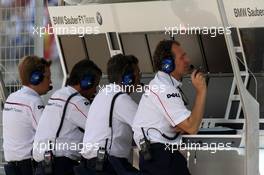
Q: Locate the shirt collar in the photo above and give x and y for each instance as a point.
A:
(29, 91)
(71, 89)
(167, 79)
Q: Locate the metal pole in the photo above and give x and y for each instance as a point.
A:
(38, 40)
(249, 105)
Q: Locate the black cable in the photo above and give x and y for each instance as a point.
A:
(111, 116)
(80, 129)
(164, 135)
(106, 142)
(171, 80)
(63, 116)
(184, 97)
(64, 112)
(144, 134)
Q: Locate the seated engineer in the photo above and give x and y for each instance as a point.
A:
(109, 129)
(22, 112)
(162, 112)
(60, 130)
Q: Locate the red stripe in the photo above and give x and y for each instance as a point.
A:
(21, 104)
(163, 106)
(70, 103)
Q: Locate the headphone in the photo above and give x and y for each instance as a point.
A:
(36, 77)
(167, 63)
(128, 77)
(87, 82)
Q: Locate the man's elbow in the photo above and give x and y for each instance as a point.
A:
(192, 130)
(189, 127)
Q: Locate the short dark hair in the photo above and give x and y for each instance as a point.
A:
(118, 65)
(29, 64)
(81, 69)
(162, 51)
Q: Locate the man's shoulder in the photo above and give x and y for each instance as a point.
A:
(25, 98)
(59, 92)
(124, 97)
(80, 100)
(63, 94)
(160, 88)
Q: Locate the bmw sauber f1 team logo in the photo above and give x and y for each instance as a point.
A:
(99, 18)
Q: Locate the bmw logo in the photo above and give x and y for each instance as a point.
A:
(99, 18)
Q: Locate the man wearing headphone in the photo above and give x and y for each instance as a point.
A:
(112, 112)
(22, 112)
(60, 130)
(162, 114)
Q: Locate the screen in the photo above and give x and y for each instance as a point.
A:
(72, 49)
(216, 54)
(136, 44)
(253, 43)
(98, 50)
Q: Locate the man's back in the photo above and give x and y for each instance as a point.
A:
(97, 128)
(75, 117)
(21, 114)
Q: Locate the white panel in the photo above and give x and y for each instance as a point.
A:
(244, 21)
(156, 15)
(82, 16)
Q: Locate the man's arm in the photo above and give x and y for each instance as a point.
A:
(192, 123)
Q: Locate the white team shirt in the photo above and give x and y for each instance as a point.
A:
(21, 114)
(68, 142)
(97, 128)
(160, 107)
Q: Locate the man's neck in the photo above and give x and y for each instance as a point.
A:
(76, 87)
(34, 88)
(177, 76)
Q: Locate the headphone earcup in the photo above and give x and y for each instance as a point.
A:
(128, 79)
(36, 77)
(87, 82)
(168, 65)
